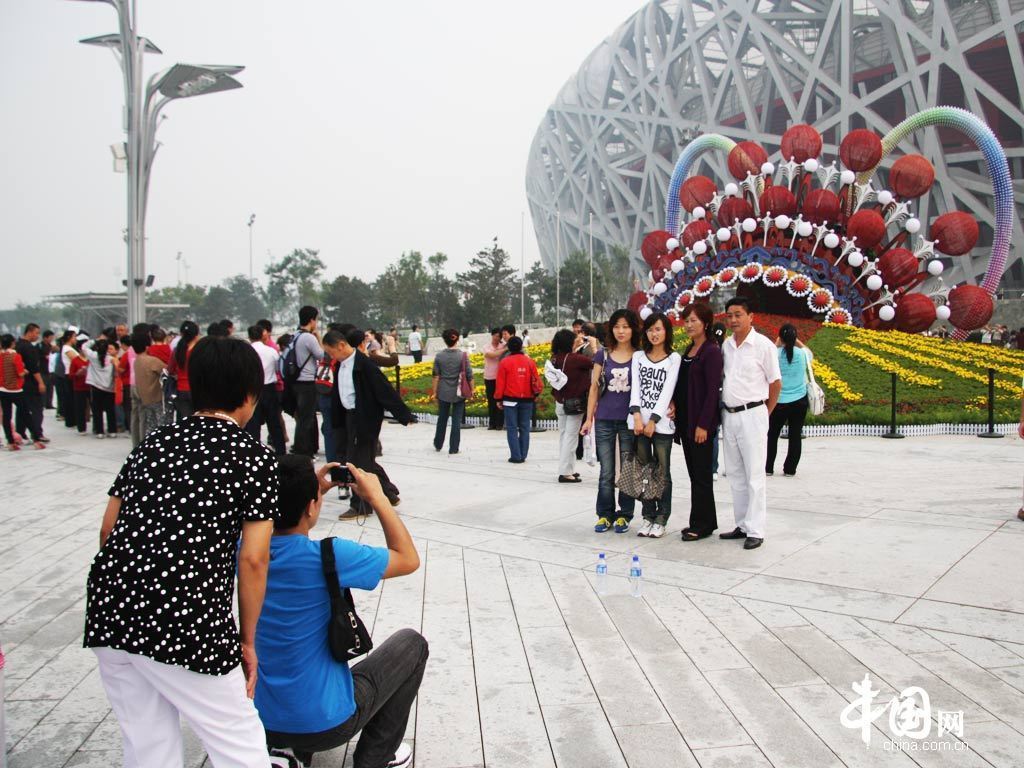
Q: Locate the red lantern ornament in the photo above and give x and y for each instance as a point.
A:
(867, 226)
(821, 205)
(970, 307)
(636, 300)
(696, 190)
(694, 231)
(860, 150)
(746, 157)
(898, 267)
(911, 176)
(801, 142)
(734, 209)
(915, 313)
(778, 201)
(955, 233)
(654, 247)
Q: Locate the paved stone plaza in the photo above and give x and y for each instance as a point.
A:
(899, 560)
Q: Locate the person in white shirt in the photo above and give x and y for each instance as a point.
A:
(654, 372)
(416, 345)
(749, 394)
(268, 410)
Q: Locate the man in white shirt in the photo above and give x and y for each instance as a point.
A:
(416, 345)
(268, 411)
(749, 393)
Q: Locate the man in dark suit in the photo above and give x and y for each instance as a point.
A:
(359, 396)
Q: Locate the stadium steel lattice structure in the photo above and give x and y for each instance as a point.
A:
(748, 69)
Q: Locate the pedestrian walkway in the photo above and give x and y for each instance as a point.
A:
(895, 560)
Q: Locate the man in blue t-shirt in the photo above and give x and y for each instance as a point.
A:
(308, 701)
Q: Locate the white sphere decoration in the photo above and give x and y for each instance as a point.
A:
(783, 221)
(935, 267)
(884, 197)
(659, 288)
(831, 240)
(810, 165)
(847, 177)
(749, 225)
(874, 282)
(677, 265)
(700, 247)
(699, 212)
(887, 313)
(804, 228)
(724, 234)
(942, 312)
(645, 312)
(731, 190)
(767, 169)
(855, 259)
(671, 244)
(913, 226)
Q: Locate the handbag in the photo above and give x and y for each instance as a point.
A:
(574, 406)
(465, 385)
(642, 481)
(347, 637)
(324, 378)
(815, 394)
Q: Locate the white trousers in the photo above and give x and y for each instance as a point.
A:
(568, 439)
(745, 435)
(147, 697)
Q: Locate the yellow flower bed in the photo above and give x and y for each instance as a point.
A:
(903, 374)
(973, 354)
(831, 379)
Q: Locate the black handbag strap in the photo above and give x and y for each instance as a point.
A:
(327, 562)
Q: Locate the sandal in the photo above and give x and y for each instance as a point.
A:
(689, 534)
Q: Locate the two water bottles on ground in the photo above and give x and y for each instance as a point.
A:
(635, 576)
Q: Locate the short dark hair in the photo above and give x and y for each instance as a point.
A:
(31, 327)
(739, 301)
(341, 328)
(562, 342)
(264, 323)
(145, 328)
(510, 328)
(227, 323)
(634, 324)
(414, 327)
(47, 332)
(703, 311)
(139, 342)
(653, 318)
(216, 330)
(495, 331)
(256, 332)
(334, 337)
(6, 341)
(578, 321)
(515, 345)
(159, 335)
(222, 373)
(299, 486)
(449, 336)
(307, 314)
(355, 336)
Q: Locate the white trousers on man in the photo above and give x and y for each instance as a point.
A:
(746, 450)
(147, 697)
(568, 439)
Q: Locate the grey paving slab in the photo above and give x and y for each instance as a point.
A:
(997, 743)
(765, 652)
(985, 689)
(699, 638)
(822, 596)
(732, 757)
(654, 746)
(514, 734)
(907, 639)
(985, 653)
(965, 620)
(970, 580)
(1012, 675)
(580, 736)
(826, 657)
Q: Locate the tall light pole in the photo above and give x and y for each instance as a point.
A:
(252, 218)
(141, 120)
(522, 269)
(591, 247)
(558, 269)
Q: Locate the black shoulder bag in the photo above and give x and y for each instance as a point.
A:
(346, 635)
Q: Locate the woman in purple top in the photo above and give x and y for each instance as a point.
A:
(696, 400)
(608, 415)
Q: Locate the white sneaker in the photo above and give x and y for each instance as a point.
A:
(99, 436)
(645, 529)
(657, 531)
(714, 476)
(403, 756)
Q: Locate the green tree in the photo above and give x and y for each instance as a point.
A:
(192, 297)
(540, 295)
(401, 291)
(294, 281)
(349, 300)
(217, 305)
(247, 304)
(442, 300)
(487, 289)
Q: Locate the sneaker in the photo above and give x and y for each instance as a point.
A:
(286, 758)
(621, 525)
(645, 529)
(100, 436)
(403, 756)
(657, 531)
(603, 524)
(714, 476)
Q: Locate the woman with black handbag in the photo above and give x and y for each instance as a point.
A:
(570, 400)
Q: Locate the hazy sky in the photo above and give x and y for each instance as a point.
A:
(364, 129)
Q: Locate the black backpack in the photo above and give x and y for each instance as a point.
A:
(58, 367)
(289, 367)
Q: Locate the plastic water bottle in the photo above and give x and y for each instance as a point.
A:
(602, 575)
(636, 576)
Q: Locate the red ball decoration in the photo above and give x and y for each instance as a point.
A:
(694, 231)
(860, 150)
(746, 157)
(696, 190)
(955, 233)
(911, 176)
(867, 226)
(898, 267)
(801, 142)
(734, 209)
(821, 205)
(654, 246)
(778, 201)
(915, 313)
(636, 300)
(970, 307)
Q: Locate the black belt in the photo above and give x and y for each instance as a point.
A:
(747, 406)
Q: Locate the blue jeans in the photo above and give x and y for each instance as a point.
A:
(605, 433)
(657, 448)
(517, 429)
(330, 452)
(457, 410)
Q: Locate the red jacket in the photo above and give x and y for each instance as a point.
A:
(11, 372)
(518, 379)
(77, 373)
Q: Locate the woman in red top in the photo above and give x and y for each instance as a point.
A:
(80, 388)
(516, 389)
(179, 368)
(570, 400)
(12, 381)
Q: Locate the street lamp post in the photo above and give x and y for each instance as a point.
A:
(558, 269)
(141, 120)
(522, 269)
(252, 219)
(591, 248)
